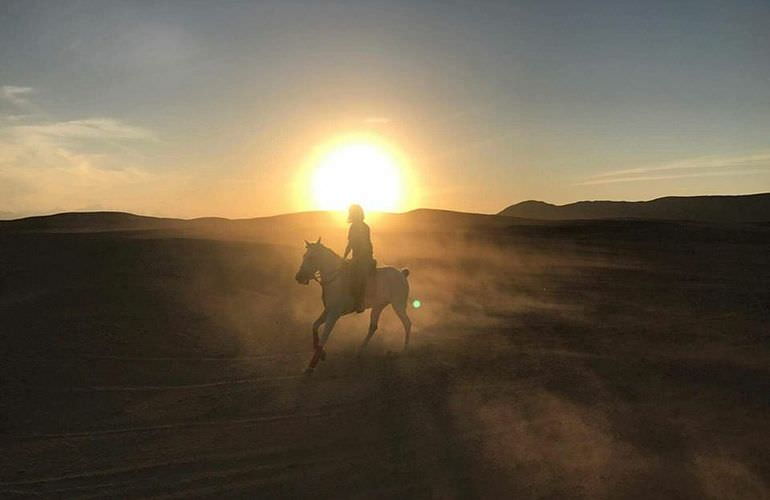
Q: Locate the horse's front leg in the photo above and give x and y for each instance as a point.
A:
(329, 322)
(316, 325)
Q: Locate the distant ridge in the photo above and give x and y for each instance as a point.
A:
(310, 222)
(720, 209)
(89, 221)
(740, 208)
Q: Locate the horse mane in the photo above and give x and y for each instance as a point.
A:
(327, 249)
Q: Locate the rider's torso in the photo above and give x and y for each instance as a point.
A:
(360, 240)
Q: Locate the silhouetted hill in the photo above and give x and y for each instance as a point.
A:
(744, 208)
(310, 221)
(89, 221)
(526, 217)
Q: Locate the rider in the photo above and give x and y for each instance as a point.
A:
(359, 241)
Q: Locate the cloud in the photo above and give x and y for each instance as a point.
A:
(15, 95)
(730, 165)
(91, 128)
(695, 163)
(674, 176)
(46, 177)
(48, 165)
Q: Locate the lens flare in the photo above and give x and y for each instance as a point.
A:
(416, 303)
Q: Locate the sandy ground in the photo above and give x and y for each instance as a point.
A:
(595, 360)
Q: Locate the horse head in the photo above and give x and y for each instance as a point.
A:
(311, 262)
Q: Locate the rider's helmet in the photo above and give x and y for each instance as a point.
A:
(355, 213)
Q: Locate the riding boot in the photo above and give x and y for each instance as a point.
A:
(360, 305)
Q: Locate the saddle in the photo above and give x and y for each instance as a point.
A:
(347, 268)
(358, 284)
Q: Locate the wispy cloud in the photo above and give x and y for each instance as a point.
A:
(49, 165)
(704, 167)
(90, 128)
(673, 176)
(16, 95)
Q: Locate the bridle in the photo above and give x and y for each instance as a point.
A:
(321, 281)
(334, 275)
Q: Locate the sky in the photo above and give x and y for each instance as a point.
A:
(199, 108)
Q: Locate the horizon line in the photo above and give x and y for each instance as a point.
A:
(68, 212)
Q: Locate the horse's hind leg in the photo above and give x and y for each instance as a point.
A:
(373, 322)
(400, 309)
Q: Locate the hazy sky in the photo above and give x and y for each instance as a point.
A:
(211, 108)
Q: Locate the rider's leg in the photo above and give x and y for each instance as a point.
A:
(360, 272)
(360, 295)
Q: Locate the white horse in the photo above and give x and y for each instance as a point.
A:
(387, 285)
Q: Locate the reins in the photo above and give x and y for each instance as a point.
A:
(317, 276)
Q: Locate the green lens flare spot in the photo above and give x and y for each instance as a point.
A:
(416, 304)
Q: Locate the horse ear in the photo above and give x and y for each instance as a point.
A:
(307, 244)
(319, 240)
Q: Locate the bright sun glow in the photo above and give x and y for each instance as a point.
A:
(358, 172)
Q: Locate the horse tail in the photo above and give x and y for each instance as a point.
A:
(405, 272)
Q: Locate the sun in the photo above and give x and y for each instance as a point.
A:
(358, 171)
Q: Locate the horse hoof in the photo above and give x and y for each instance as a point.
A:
(308, 372)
